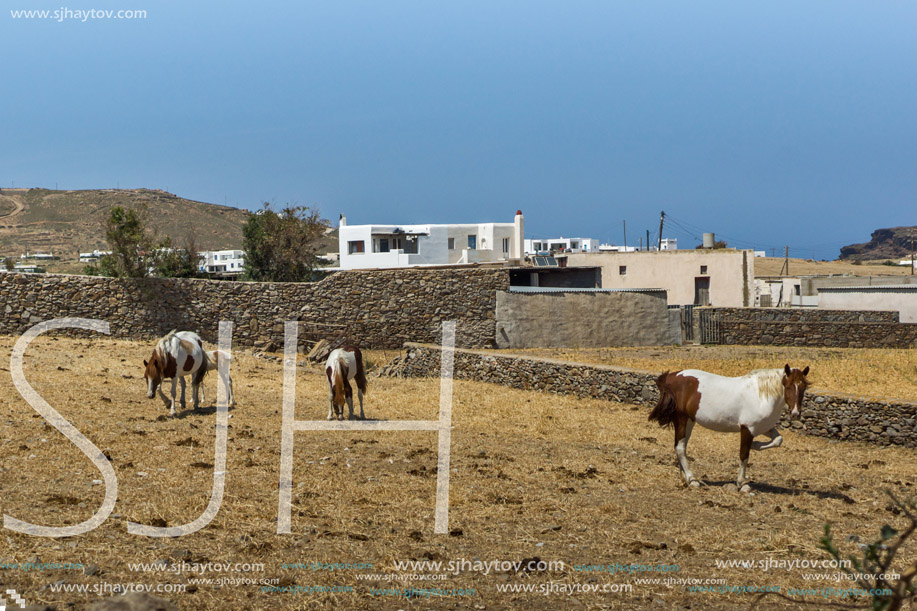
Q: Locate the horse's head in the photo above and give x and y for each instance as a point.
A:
(338, 375)
(794, 388)
(152, 375)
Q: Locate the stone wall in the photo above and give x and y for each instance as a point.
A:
(842, 417)
(812, 327)
(379, 308)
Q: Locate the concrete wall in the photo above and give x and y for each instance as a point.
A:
(731, 273)
(378, 309)
(841, 417)
(898, 298)
(583, 319)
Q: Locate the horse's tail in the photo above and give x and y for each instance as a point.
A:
(360, 377)
(666, 411)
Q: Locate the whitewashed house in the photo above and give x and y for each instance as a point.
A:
(222, 262)
(561, 244)
(90, 257)
(386, 246)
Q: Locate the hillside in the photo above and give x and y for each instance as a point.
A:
(771, 266)
(893, 243)
(69, 222)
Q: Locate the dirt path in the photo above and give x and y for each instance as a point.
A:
(18, 207)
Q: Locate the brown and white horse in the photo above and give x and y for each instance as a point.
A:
(750, 405)
(345, 364)
(175, 356)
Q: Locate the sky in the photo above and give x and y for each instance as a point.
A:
(771, 124)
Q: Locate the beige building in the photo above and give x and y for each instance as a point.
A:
(721, 277)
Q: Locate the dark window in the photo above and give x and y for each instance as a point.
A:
(383, 244)
(472, 242)
(355, 247)
(451, 243)
(622, 270)
(703, 269)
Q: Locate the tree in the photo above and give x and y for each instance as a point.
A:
(130, 241)
(136, 249)
(9, 264)
(281, 247)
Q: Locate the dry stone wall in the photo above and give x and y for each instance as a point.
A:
(849, 418)
(379, 308)
(813, 327)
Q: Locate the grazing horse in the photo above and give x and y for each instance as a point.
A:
(345, 364)
(750, 405)
(176, 355)
(213, 361)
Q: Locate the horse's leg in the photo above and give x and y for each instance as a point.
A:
(775, 441)
(181, 380)
(683, 427)
(331, 405)
(228, 382)
(360, 395)
(744, 450)
(195, 389)
(172, 407)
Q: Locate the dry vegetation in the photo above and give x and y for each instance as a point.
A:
(534, 475)
(770, 266)
(859, 371)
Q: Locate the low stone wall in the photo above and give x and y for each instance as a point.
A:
(812, 327)
(379, 308)
(841, 417)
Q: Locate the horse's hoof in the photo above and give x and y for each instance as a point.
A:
(745, 488)
(694, 484)
(330, 418)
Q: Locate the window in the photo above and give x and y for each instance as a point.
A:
(473, 242)
(383, 244)
(703, 269)
(505, 246)
(622, 270)
(451, 243)
(355, 247)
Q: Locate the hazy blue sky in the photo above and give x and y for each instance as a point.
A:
(768, 123)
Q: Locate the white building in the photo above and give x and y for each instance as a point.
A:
(614, 248)
(89, 257)
(222, 262)
(38, 256)
(385, 246)
(561, 244)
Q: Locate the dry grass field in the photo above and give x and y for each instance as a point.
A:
(533, 476)
(771, 266)
(886, 373)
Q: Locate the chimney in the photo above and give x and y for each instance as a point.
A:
(518, 248)
(342, 222)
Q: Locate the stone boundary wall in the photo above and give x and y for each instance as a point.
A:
(812, 327)
(840, 417)
(378, 308)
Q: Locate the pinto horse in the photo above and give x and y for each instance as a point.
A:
(345, 364)
(175, 356)
(750, 405)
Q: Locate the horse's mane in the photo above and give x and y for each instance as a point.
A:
(163, 344)
(770, 382)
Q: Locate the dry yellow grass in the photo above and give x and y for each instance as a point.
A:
(533, 475)
(859, 371)
(770, 266)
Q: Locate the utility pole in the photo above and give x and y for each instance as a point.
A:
(639, 248)
(625, 235)
(786, 261)
(647, 240)
(912, 254)
(661, 219)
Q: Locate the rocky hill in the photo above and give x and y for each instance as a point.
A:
(894, 243)
(68, 222)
